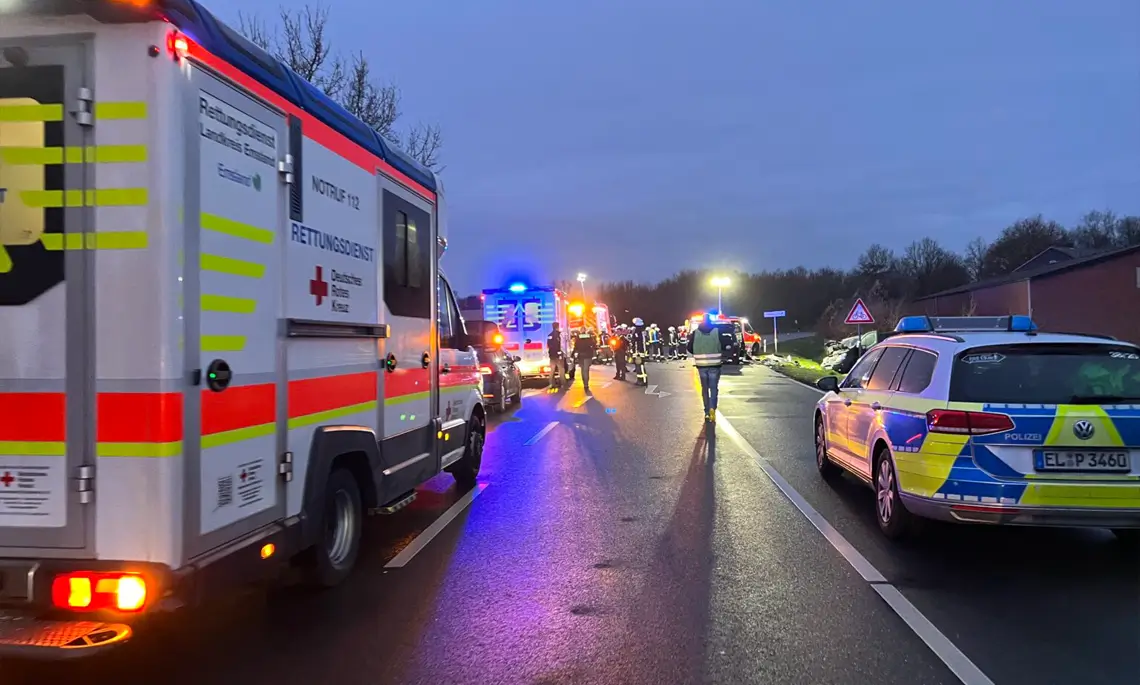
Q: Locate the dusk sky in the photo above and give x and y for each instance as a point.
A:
(632, 139)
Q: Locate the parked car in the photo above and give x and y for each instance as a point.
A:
(502, 381)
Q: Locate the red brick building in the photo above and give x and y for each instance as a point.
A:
(1098, 293)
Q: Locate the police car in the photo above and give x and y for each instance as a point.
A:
(988, 420)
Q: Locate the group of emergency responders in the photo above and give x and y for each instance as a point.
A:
(637, 344)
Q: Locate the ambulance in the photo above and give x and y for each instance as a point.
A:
(526, 315)
(224, 334)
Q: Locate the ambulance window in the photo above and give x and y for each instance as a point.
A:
(407, 258)
(412, 246)
(400, 263)
(443, 314)
(918, 372)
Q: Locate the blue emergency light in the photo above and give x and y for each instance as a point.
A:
(1016, 323)
(517, 288)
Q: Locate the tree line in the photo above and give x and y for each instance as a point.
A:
(818, 299)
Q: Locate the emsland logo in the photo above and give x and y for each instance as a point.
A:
(257, 182)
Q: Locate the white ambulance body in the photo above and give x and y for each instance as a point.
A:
(223, 331)
(526, 316)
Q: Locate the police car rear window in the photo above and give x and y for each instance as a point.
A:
(1047, 374)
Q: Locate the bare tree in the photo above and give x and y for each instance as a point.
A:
(374, 104)
(302, 42)
(876, 260)
(931, 267)
(974, 258)
(1098, 231)
(423, 142)
(1021, 241)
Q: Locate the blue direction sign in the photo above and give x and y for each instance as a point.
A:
(775, 314)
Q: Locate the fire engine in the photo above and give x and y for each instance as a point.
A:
(224, 334)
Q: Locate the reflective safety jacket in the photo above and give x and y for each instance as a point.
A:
(706, 347)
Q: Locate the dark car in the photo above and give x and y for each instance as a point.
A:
(502, 382)
(731, 340)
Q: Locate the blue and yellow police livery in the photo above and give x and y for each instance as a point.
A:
(988, 420)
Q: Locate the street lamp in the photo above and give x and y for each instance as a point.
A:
(582, 280)
(720, 283)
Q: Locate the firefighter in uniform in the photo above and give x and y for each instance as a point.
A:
(557, 357)
(621, 351)
(585, 347)
(639, 348)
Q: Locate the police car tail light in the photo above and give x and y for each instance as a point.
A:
(966, 422)
(95, 591)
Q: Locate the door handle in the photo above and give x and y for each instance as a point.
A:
(876, 406)
(847, 402)
(446, 368)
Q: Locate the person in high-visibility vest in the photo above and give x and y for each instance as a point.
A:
(707, 348)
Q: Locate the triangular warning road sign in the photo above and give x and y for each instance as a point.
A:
(859, 314)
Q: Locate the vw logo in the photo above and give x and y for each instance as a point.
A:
(1083, 430)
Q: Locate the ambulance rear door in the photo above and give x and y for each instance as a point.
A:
(235, 409)
(47, 395)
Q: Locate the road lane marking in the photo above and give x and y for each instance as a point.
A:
(542, 433)
(934, 638)
(863, 567)
(958, 663)
(582, 401)
(429, 533)
(607, 384)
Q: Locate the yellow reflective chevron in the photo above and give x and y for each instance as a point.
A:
(5, 261)
(31, 113)
(222, 343)
(101, 197)
(229, 265)
(225, 303)
(99, 154)
(220, 224)
(106, 240)
(120, 110)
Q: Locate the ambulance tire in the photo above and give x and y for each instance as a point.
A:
(334, 555)
(466, 470)
(755, 349)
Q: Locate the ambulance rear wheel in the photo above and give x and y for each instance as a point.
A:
(466, 470)
(755, 349)
(335, 552)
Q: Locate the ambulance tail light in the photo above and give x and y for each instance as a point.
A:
(497, 339)
(99, 591)
(967, 422)
(546, 369)
(485, 370)
(177, 45)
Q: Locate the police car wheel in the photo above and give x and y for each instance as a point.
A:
(335, 553)
(501, 402)
(827, 468)
(466, 470)
(894, 519)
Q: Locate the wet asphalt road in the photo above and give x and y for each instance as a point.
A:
(627, 544)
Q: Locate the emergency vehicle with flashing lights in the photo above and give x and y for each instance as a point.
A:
(750, 339)
(525, 315)
(224, 335)
(988, 420)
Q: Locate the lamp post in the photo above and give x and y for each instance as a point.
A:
(720, 283)
(582, 280)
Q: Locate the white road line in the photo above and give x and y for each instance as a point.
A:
(429, 533)
(582, 401)
(941, 645)
(542, 433)
(934, 638)
(607, 384)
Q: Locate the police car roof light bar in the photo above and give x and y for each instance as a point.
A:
(938, 324)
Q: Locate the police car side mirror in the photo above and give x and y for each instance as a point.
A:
(516, 358)
(828, 384)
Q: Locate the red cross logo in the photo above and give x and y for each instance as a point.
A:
(318, 287)
(7, 479)
(245, 475)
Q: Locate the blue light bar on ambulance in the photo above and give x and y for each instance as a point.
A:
(947, 324)
(517, 288)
